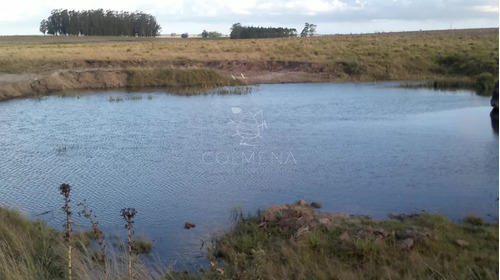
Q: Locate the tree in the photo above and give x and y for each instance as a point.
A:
(44, 26)
(309, 30)
(246, 32)
(305, 31)
(214, 34)
(204, 34)
(236, 30)
(100, 22)
(312, 29)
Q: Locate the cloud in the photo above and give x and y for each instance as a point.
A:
(196, 15)
(487, 8)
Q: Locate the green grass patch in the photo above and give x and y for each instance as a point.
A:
(253, 251)
(141, 246)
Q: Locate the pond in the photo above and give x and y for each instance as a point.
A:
(369, 149)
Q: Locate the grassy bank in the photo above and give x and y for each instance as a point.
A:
(177, 78)
(407, 247)
(282, 242)
(32, 250)
(467, 56)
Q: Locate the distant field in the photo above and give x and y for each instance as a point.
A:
(384, 55)
(450, 58)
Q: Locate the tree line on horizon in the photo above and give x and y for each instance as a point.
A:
(250, 32)
(100, 23)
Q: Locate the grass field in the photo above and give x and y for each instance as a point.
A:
(459, 55)
(398, 55)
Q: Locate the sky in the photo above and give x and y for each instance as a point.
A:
(22, 17)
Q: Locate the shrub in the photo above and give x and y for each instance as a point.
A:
(485, 82)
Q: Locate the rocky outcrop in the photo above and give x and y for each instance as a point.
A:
(494, 111)
(301, 214)
(494, 97)
(189, 225)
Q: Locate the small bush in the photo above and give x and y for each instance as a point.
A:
(142, 247)
(473, 220)
(485, 82)
(351, 68)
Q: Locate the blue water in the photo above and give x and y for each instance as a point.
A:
(356, 148)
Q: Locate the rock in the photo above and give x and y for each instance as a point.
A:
(345, 237)
(189, 225)
(416, 235)
(382, 233)
(334, 216)
(276, 213)
(326, 223)
(302, 202)
(461, 243)
(272, 213)
(494, 97)
(494, 119)
(405, 244)
(314, 224)
(402, 217)
(293, 223)
(364, 232)
(316, 205)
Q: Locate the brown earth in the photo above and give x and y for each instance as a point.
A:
(90, 74)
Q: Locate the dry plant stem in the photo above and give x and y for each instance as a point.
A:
(128, 214)
(65, 190)
(129, 251)
(97, 233)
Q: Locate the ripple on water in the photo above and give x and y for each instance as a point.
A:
(357, 148)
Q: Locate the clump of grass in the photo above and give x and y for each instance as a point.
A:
(115, 99)
(442, 83)
(135, 97)
(142, 246)
(253, 251)
(30, 249)
(473, 220)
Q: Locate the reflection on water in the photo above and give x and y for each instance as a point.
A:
(356, 148)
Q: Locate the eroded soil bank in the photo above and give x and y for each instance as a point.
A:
(111, 75)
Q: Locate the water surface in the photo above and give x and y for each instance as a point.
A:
(356, 148)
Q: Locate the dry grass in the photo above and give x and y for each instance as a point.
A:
(400, 56)
(30, 250)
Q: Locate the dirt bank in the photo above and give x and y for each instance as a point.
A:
(90, 74)
(35, 85)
